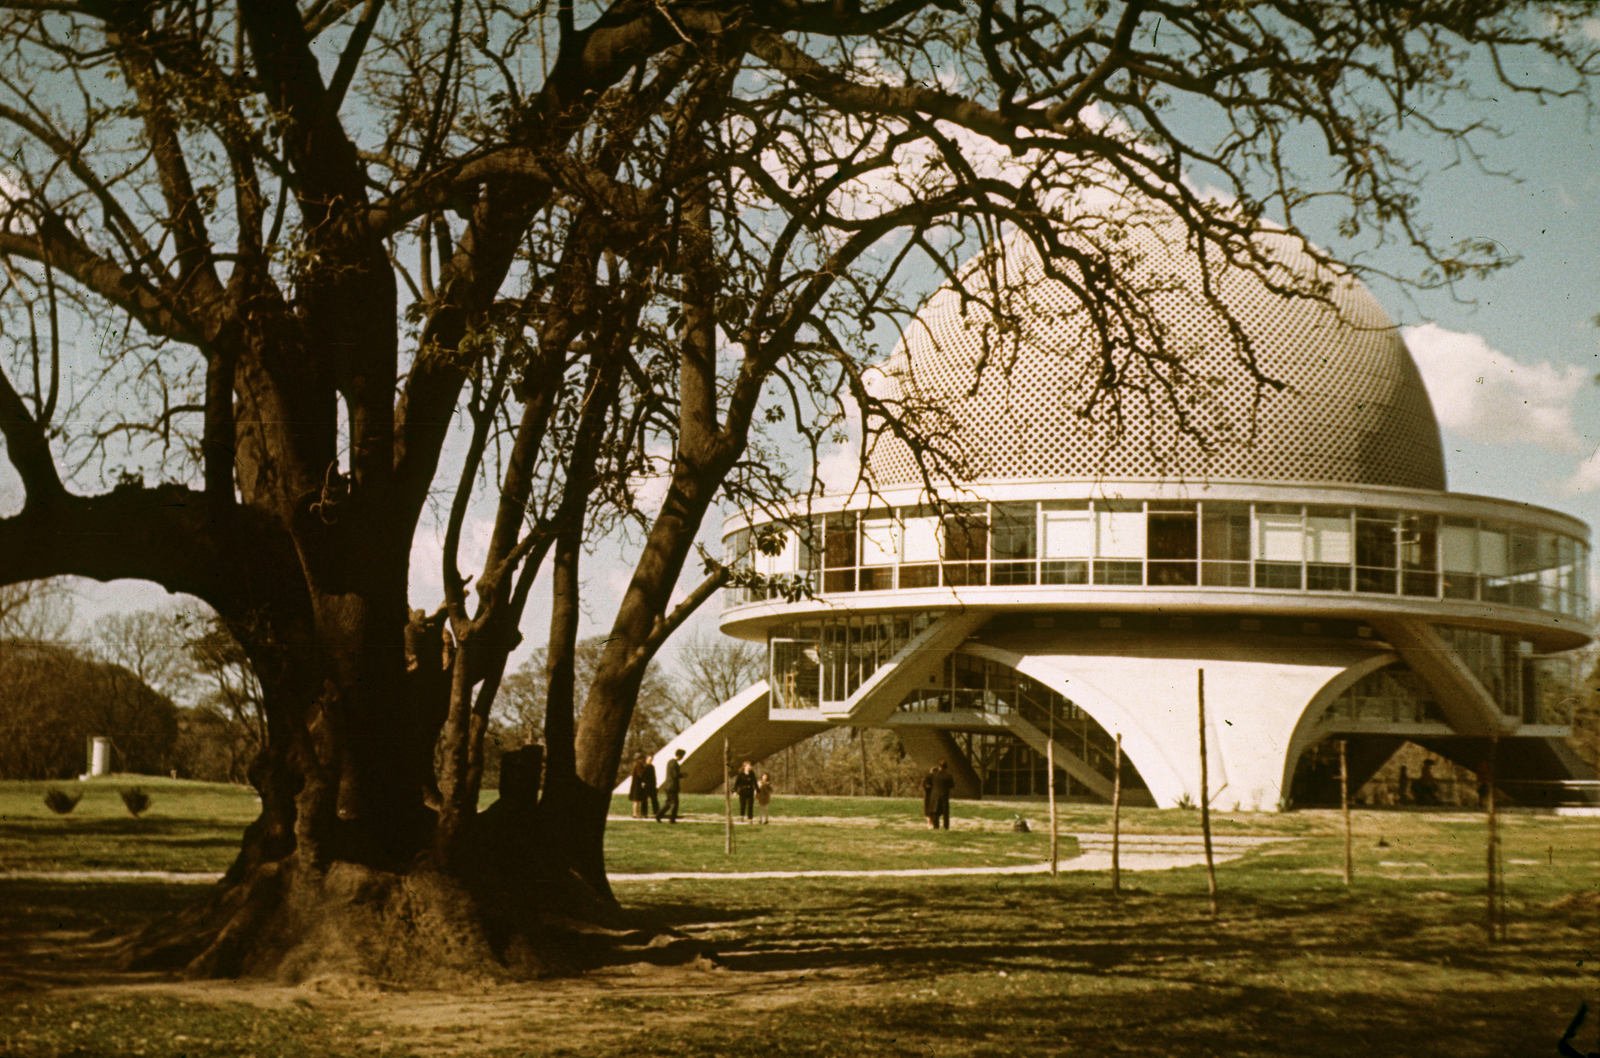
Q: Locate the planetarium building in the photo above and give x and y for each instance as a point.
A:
(1299, 545)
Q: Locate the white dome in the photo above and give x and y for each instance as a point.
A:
(1353, 409)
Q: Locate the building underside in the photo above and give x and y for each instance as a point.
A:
(996, 694)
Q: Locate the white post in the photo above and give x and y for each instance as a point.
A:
(100, 756)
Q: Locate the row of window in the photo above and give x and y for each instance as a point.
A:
(1168, 544)
(1533, 689)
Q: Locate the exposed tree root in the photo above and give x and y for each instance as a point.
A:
(292, 923)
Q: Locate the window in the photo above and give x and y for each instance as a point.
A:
(1377, 550)
(1013, 537)
(966, 546)
(919, 542)
(1119, 529)
(1225, 544)
(1419, 554)
(839, 553)
(1280, 545)
(1174, 543)
(1068, 530)
(880, 539)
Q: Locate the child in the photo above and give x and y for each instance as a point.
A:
(764, 795)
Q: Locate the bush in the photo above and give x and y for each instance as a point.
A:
(61, 803)
(56, 699)
(136, 800)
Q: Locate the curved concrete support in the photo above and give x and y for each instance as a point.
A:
(1144, 688)
(1310, 728)
(744, 722)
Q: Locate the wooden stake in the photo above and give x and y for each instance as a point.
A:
(1116, 823)
(1493, 840)
(861, 737)
(1344, 803)
(1050, 763)
(727, 792)
(1205, 797)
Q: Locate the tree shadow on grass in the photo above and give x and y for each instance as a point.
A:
(56, 933)
(1240, 1022)
(147, 844)
(910, 931)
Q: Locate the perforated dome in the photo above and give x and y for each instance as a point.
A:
(1353, 409)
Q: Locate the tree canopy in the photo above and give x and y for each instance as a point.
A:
(286, 274)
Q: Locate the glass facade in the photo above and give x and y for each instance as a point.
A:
(1532, 688)
(827, 660)
(1170, 545)
(1393, 694)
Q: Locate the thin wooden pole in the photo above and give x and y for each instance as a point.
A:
(861, 737)
(1116, 823)
(1205, 797)
(1050, 764)
(727, 792)
(1493, 840)
(1344, 803)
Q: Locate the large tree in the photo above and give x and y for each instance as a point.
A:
(271, 255)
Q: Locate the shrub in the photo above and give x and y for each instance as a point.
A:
(61, 803)
(136, 800)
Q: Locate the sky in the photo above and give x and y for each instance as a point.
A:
(1510, 362)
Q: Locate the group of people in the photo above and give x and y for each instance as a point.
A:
(642, 789)
(751, 792)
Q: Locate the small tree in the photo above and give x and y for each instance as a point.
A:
(710, 670)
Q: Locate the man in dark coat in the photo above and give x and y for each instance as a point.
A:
(669, 788)
(647, 785)
(943, 784)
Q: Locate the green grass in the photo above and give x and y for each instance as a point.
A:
(788, 846)
(189, 826)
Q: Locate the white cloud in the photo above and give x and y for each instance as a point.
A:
(427, 557)
(1488, 396)
(1587, 479)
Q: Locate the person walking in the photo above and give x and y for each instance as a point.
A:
(1425, 790)
(648, 786)
(669, 788)
(636, 787)
(744, 785)
(927, 797)
(943, 784)
(764, 795)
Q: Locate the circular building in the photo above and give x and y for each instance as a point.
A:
(1293, 540)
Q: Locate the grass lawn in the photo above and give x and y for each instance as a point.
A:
(189, 826)
(943, 966)
(827, 833)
